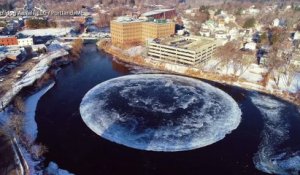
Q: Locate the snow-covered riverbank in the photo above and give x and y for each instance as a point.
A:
(30, 125)
(31, 130)
(36, 73)
(250, 79)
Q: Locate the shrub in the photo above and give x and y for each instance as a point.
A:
(19, 104)
(77, 46)
(249, 23)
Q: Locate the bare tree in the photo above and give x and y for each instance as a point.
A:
(38, 150)
(19, 104)
(16, 124)
(229, 54)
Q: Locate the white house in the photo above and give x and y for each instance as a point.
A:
(250, 46)
(25, 42)
(297, 35)
(233, 33)
(253, 11)
(220, 34)
(276, 22)
(188, 11)
(205, 32)
(35, 48)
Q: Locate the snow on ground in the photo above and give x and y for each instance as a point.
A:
(30, 125)
(293, 87)
(176, 68)
(252, 74)
(53, 169)
(45, 32)
(134, 51)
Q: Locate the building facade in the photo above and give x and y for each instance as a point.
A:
(25, 42)
(8, 40)
(191, 51)
(132, 31)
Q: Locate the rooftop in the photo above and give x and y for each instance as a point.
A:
(128, 19)
(193, 43)
(7, 36)
(155, 12)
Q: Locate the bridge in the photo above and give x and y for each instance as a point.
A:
(86, 37)
(83, 38)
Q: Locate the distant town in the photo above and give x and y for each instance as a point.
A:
(251, 45)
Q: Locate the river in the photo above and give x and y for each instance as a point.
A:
(74, 147)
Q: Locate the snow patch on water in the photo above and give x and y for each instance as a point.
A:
(53, 169)
(271, 158)
(159, 112)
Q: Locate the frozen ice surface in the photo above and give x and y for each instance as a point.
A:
(159, 112)
(271, 157)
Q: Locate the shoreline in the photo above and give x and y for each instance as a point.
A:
(30, 78)
(196, 73)
(24, 159)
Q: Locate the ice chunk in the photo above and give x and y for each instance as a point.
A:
(159, 112)
(270, 157)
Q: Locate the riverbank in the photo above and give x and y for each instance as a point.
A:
(25, 150)
(34, 74)
(232, 80)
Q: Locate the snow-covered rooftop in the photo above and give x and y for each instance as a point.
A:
(46, 32)
(155, 12)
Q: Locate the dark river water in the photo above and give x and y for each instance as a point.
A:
(74, 147)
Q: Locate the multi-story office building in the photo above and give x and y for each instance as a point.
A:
(127, 30)
(182, 50)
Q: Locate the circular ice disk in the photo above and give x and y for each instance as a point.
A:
(159, 112)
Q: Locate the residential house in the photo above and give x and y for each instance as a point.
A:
(8, 40)
(250, 46)
(25, 41)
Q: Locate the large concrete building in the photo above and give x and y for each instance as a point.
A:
(127, 30)
(190, 51)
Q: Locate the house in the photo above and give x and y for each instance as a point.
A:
(225, 18)
(205, 32)
(221, 34)
(252, 11)
(250, 46)
(233, 33)
(296, 59)
(25, 41)
(37, 47)
(8, 40)
(12, 52)
(276, 22)
(297, 35)
(188, 11)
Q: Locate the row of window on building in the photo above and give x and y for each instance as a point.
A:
(12, 40)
